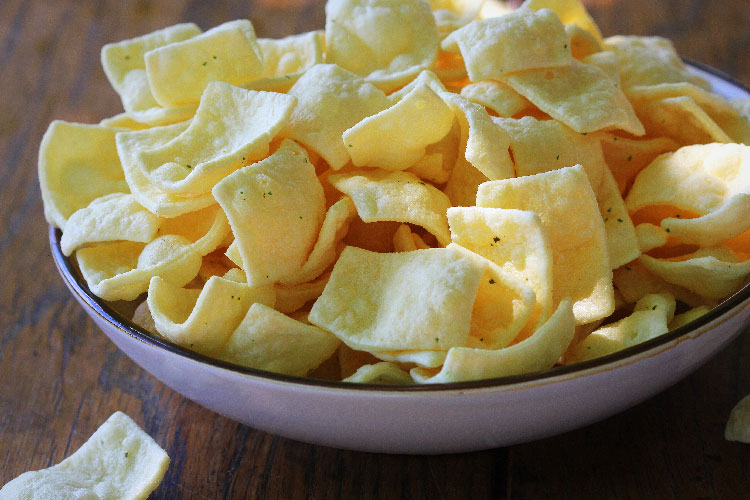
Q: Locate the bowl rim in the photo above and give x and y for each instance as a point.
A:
(70, 274)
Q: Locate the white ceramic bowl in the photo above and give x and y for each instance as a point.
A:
(426, 419)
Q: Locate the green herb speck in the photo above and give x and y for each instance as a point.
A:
(492, 282)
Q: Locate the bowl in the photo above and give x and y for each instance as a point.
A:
(426, 419)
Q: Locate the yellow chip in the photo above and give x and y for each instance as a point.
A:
(567, 207)
(580, 95)
(395, 39)
(403, 240)
(152, 117)
(725, 222)
(419, 119)
(291, 55)
(268, 340)
(241, 123)
(118, 461)
(275, 242)
(622, 242)
(179, 72)
(650, 236)
(569, 12)
(291, 298)
(327, 247)
(77, 164)
(148, 194)
(396, 196)
(626, 157)
(384, 373)
(544, 145)
(521, 40)
(123, 63)
(713, 272)
(645, 60)
(607, 62)
(113, 217)
(582, 43)
(142, 317)
(503, 306)
(419, 300)
(738, 425)
(330, 101)
(650, 318)
(440, 158)
(681, 119)
(203, 320)
(497, 96)
(687, 317)
(483, 144)
(538, 352)
(464, 181)
(697, 178)
(634, 282)
(514, 240)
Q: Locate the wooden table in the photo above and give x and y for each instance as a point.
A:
(60, 377)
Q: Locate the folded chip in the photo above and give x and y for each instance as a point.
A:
(399, 301)
(118, 462)
(227, 53)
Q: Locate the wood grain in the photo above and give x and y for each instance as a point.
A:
(60, 378)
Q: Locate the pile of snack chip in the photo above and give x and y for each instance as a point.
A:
(421, 193)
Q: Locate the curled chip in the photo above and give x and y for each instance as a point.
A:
(125, 66)
(524, 39)
(570, 12)
(395, 39)
(371, 301)
(119, 461)
(227, 53)
(568, 210)
(380, 373)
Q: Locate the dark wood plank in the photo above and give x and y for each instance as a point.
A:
(60, 377)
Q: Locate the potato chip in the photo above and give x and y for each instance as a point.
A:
(622, 242)
(650, 236)
(649, 60)
(713, 272)
(514, 240)
(484, 144)
(681, 119)
(538, 352)
(464, 181)
(420, 118)
(350, 360)
(395, 39)
(396, 196)
(119, 461)
(584, 44)
(148, 194)
(626, 157)
(689, 316)
(327, 247)
(504, 304)
(399, 301)
(697, 178)
(291, 55)
(384, 373)
(124, 64)
(440, 158)
(738, 425)
(122, 271)
(634, 282)
(77, 164)
(139, 120)
(544, 145)
(403, 240)
(649, 319)
(330, 101)
(568, 210)
(497, 96)
(291, 298)
(425, 359)
(113, 217)
(607, 62)
(203, 320)
(269, 340)
(727, 221)
(521, 40)
(227, 53)
(569, 12)
(579, 95)
(142, 318)
(189, 165)
(275, 242)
